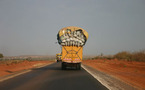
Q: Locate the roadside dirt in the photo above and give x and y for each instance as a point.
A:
(132, 73)
(6, 69)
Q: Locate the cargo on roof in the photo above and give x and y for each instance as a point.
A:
(72, 36)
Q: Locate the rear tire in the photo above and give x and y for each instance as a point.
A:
(78, 66)
(63, 66)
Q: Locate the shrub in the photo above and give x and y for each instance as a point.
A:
(9, 62)
(138, 56)
(123, 55)
(135, 56)
(1, 55)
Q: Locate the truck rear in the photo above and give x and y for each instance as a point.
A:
(72, 56)
(72, 39)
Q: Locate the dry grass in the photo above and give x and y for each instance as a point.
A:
(9, 62)
(138, 56)
(123, 56)
(135, 56)
(127, 56)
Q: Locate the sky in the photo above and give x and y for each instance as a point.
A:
(29, 27)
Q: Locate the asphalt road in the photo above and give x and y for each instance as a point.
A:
(51, 77)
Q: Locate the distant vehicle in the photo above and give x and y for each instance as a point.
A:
(72, 39)
(58, 57)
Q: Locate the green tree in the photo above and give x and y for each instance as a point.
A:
(1, 55)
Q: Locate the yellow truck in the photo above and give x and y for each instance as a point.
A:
(58, 57)
(72, 39)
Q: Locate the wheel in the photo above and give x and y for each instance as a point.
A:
(78, 66)
(63, 66)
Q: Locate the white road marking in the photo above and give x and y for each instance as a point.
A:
(100, 79)
(108, 81)
(14, 75)
(19, 73)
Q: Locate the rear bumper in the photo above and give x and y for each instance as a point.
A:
(71, 64)
(69, 61)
